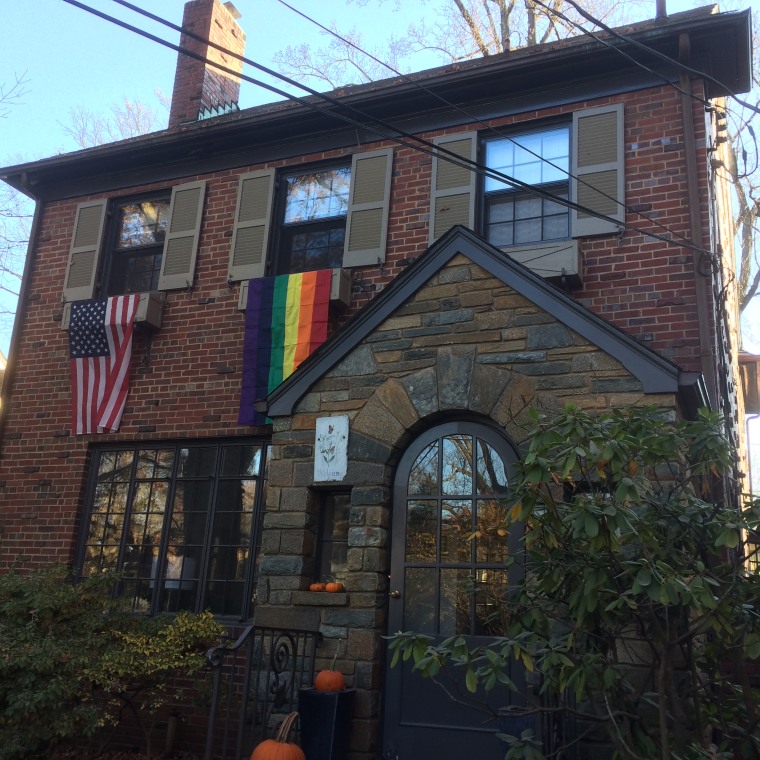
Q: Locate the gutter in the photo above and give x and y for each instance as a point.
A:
(701, 284)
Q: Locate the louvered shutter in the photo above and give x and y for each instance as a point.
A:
(86, 244)
(598, 181)
(250, 236)
(452, 198)
(369, 201)
(181, 243)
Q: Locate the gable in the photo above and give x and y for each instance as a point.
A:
(651, 372)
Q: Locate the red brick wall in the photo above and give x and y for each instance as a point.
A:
(197, 86)
(186, 377)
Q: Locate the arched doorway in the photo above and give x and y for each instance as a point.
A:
(451, 482)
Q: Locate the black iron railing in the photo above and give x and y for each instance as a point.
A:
(256, 680)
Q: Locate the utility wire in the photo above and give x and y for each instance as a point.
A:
(424, 147)
(428, 147)
(498, 132)
(478, 120)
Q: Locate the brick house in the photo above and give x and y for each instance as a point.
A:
(599, 274)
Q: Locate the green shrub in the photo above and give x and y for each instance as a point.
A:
(69, 662)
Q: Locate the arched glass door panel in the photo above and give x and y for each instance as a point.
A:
(449, 577)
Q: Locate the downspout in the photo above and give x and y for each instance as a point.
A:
(23, 297)
(702, 263)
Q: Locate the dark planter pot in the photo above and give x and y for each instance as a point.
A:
(325, 723)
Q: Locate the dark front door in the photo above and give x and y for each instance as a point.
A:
(448, 578)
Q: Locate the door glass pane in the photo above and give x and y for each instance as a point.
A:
(421, 531)
(491, 474)
(456, 471)
(493, 540)
(423, 480)
(419, 600)
(455, 616)
(456, 529)
(491, 608)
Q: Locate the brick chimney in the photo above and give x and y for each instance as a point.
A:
(198, 85)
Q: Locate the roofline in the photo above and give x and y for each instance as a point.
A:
(461, 81)
(656, 374)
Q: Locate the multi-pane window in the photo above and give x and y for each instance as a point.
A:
(541, 159)
(314, 206)
(178, 523)
(455, 546)
(136, 244)
(333, 544)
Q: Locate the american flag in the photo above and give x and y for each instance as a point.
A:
(100, 346)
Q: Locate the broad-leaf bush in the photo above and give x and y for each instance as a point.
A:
(636, 600)
(70, 662)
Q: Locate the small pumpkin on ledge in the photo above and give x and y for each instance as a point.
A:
(334, 587)
(317, 587)
(280, 748)
(330, 679)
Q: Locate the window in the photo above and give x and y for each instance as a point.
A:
(325, 217)
(179, 524)
(313, 227)
(582, 161)
(136, 245)
(333, 544)
(150, 243)
(541, 159)
(450, 547)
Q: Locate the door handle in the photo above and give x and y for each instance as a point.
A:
(395, 594)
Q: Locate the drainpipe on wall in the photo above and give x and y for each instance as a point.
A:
(702, 264)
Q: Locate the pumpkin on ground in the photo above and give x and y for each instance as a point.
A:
(280, 748)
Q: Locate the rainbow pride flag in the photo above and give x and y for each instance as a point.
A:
(285, 320)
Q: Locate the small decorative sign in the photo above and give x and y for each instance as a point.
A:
(331, 448)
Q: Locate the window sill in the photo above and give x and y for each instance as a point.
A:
(557, 261)
(320, 599)
(149, 314)
(340, 289)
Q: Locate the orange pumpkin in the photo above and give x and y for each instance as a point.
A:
(330, 679)
(334, 587)
(317, 587)
(280, 748)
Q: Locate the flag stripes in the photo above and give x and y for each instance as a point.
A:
(100, 347)
(286, 320)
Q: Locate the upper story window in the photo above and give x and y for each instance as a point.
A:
(314, 206)
(582, 161)
(325, 217)
(136, 245)
(513, 216)
(146, 243)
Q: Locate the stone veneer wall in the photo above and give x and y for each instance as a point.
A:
(465, 344)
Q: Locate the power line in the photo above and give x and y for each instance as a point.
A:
(424, 147)
(478, 120)
(428, 147)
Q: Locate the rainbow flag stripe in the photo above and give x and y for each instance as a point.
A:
(285, 320)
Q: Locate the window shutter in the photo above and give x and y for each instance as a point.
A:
(369, 201)
(250, 237)
(86, 244)
(452, 200)
(181, 243)
(598, 182)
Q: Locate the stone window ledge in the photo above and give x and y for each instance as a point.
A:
(320, 599)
